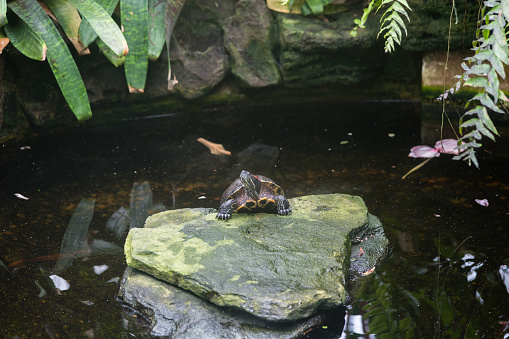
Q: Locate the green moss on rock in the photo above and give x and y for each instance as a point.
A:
(276, 267)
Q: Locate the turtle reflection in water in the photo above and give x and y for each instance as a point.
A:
(253, 193)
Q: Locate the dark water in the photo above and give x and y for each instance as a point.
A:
(445, 277)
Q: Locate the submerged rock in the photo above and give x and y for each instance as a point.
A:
(275, 268)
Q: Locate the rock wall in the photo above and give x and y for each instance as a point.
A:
(239, 50)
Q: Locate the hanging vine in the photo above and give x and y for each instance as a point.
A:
(483, 72)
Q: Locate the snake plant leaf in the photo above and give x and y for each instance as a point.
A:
(156, 32)
(87, 33)
(109, 54)
(70, 20)
(58, 55)
(173, 9)
(290, 4)
(25, 40)
(134, 20)
(102, 23)
(312, 7)
(3, 13)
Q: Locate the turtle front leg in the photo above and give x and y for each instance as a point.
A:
(226, 209)
(282, 205)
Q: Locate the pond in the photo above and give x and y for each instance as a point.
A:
(447, 275)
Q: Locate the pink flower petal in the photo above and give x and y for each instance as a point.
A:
(423, 152)
(447, 146)
(482, 202)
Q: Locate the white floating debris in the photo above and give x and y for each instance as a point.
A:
(21, 196)
(60, 282)
(113, 280)
(391, 135)
(202, 197)
(98, 269)
(482, 202)
(25, 148)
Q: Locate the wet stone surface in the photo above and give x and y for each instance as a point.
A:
(275, 268)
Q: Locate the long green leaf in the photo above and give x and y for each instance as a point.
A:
(25, 40)
(3, 13)
(87, 33)
(312, 6)
(69, 19)
(103, 25)
(173, 9)
(134, 19)
(156, 32)
(58, 55)
(108, 53)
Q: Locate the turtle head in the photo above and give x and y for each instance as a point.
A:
(251, 183)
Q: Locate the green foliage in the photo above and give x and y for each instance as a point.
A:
(392, 21)
(24, 39)
(308, 7)
(360, 23)
(146, 24)
(60, 60)
(134, 19)
(3, 12)
(156, 33)
(483, 72)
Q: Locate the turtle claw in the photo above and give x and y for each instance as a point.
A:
(223, 216)
(285, 211)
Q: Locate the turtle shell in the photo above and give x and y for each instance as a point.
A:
(268, 190)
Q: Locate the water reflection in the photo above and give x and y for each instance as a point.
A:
(447, 276)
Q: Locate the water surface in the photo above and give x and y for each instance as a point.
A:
(444, 277)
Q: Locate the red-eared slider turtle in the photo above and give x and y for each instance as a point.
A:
(253, 193)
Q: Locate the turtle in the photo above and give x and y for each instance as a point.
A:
(253, 193)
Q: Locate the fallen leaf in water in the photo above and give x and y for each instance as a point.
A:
(369, 271)
(482, 202)
(21, 196)
(113, 280)
(42, 291)
(214, 148)
(60, 282)
(98, 269)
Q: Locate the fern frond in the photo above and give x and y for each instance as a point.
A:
(393, 23)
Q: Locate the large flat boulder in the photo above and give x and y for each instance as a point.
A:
(278, 268)
(163, 310)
